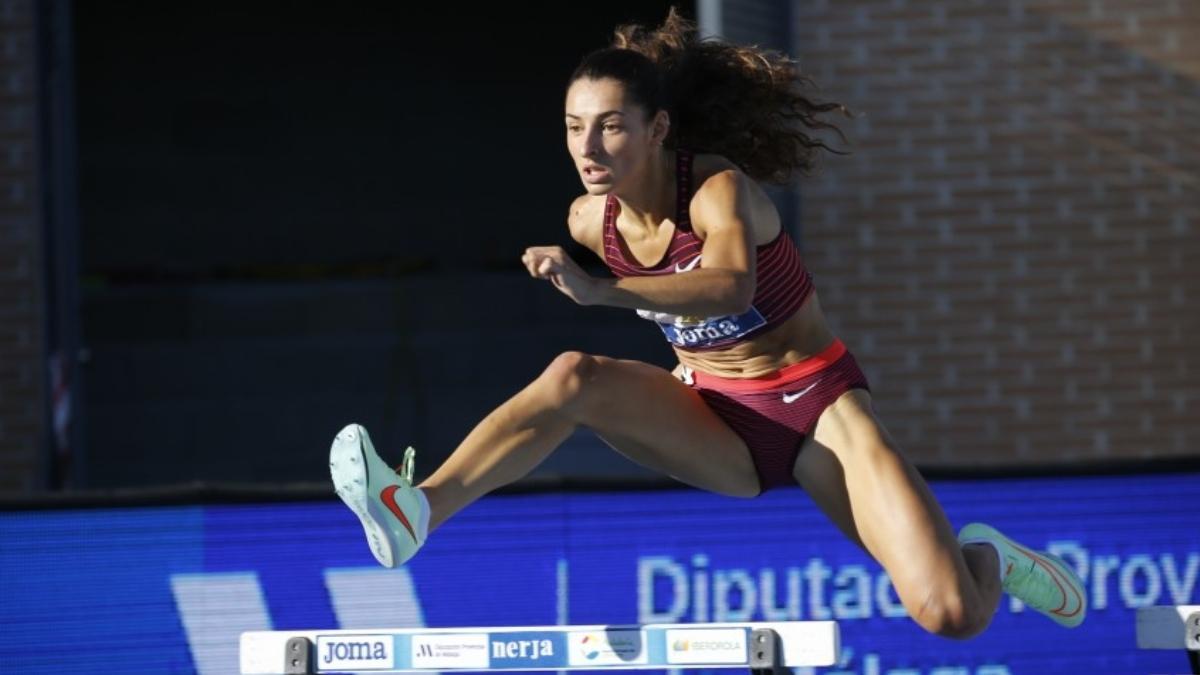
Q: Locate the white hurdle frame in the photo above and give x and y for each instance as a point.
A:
(1171, 627)
(761, 647)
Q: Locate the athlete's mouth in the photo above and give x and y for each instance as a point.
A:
(595, 172)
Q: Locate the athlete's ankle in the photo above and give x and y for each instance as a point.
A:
(987, 545)
(426, 512)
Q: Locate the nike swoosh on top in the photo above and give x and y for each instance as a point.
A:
(687, 268)
(388, 497)
(790, 398)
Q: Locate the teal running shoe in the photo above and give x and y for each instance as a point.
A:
(393, 513)
(1040, 580)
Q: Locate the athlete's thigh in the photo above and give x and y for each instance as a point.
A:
(819, 472)
(853, 470)
(657, 421)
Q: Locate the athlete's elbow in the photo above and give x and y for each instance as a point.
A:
(745, 292)
(737, 307)
(741, 295)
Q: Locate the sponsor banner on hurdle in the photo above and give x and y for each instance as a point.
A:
(541, 648)
(607, 648)
(715, 645)
(340, 653)
(527, 649)
(448, 652)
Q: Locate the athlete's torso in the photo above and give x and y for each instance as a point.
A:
(784, 324)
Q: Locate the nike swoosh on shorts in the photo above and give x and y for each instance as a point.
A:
(791, 398)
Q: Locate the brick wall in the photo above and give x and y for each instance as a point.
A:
(1014, 248)
(21, 358)
(758, 22)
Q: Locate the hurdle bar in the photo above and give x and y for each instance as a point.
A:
(1171, 627)
(763, 648)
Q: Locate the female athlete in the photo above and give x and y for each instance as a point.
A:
(669, 135)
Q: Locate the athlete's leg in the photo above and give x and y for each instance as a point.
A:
(639, 409)
(856, 475)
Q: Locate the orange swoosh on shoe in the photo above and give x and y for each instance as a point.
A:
(1056, 575)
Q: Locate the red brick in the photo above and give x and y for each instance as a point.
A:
(1013, 236)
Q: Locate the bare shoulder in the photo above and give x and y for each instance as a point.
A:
(723, 191)
(586, 221)
(705, 166)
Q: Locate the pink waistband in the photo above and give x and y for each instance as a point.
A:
(779, 378)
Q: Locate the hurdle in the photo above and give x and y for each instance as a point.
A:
(1171, 627)
(766, 647)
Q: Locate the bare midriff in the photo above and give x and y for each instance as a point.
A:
(801, 336)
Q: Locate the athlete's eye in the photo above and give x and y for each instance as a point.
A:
(574, 128)
(612, 128)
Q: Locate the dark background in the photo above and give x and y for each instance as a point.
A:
(225, 233)
(295, 217)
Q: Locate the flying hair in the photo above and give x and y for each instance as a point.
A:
(746, 103)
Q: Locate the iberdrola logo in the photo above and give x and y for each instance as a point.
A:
(681, 645)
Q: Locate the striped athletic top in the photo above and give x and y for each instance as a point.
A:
(782, 283)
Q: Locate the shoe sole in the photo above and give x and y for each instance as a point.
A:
(1067, 575)
(349, 469)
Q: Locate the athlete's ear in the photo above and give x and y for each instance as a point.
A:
(660, 126)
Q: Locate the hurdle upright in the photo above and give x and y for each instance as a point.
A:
(1171, 627)
(764, 647)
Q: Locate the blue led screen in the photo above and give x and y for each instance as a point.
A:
(169, 589)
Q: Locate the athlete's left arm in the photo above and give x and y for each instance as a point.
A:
(723, 212)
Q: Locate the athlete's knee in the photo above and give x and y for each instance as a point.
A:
(565, 381)
(948, 614)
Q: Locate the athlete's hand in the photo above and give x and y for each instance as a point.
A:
(554, 265)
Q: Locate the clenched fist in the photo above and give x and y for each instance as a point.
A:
(553, 264)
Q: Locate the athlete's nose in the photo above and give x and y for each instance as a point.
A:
(591, 146)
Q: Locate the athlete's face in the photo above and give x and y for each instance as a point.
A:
(609, 135)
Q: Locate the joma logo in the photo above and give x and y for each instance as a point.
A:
(354, 651)
(359, 651)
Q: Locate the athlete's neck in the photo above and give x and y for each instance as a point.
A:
(650, 198)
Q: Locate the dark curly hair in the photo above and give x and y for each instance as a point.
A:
(741, 102)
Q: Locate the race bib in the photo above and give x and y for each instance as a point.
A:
(716, 331)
